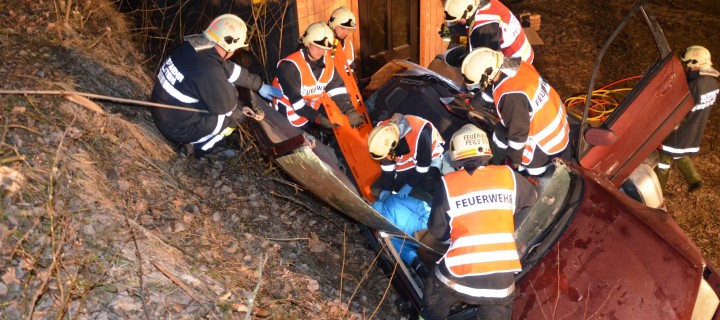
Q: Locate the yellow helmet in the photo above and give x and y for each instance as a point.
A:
(469, 141)
(383, 139)
(459, 9)
(697, 57)
(319, 34)
(481, 66)
(342, 17)
(228, 31)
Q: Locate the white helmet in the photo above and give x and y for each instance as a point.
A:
(481, 66)
(469, 142)
(342, 17)
(319, 34)
(383, 139)
(459, 9)
(697, 57)
(228, 31)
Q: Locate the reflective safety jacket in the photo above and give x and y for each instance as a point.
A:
(548, 127)
(344, 53)
(311, 90)
(481, 221)
(409, 160)
(513, 42)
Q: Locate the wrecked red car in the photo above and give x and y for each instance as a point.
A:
(594, 245)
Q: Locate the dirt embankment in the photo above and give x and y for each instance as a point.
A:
(101, 219)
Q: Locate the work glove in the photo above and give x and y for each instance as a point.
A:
(269, 92)
(325, 122)
(404, 191)
(384, 194)
(355, 118)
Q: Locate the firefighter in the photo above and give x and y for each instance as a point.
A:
(684, 141)
(490, 24)
(473, 211)
(308, 81)
(410, 150)
(343, 23)
(532, 127)
(198, 75)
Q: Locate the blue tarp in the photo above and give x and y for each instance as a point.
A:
(410, 215)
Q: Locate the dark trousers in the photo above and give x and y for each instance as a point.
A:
(438, 300)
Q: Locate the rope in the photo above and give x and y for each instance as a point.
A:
(101, 97)
(604, 101)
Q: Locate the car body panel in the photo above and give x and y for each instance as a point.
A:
(654, 107)
(616, 259)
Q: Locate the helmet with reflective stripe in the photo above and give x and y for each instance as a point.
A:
(228, 31)
(469, 141)
(697, 57)
(481, 66)
(383, 139)
(342, 17)
(319, 34)
(459, 9)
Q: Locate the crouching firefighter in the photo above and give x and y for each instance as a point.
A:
(473, 212)
(410, 150)
(198, 75)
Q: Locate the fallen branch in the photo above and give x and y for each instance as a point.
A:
(176, 281)
(12, 159)
(100, 97)
(289, 239)
(251, 301)
(56, 241)
(360, 282)
(140, 270)
(342, 266)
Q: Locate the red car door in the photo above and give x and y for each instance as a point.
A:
(647, 115)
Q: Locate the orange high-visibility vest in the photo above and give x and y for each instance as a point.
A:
(514, 43)
(344, 54)
(481, 221)
(407, 161)
(548, 122)
(311, 88)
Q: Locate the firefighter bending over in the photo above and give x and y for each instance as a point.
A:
(532, 127)
(473, 211)
(410, 150)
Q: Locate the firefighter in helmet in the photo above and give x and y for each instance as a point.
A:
(684, 141)
(198, 75)
(308, 74)
(532, 126)
(473, 211)
(489, 24)
(410, 150)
